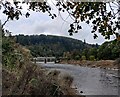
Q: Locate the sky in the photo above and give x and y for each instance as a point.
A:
(40, 23)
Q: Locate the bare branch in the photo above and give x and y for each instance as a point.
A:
(5, 22)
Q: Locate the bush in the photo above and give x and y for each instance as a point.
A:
(83, 57)
(65, 80)
(92, 58)
(77, 57)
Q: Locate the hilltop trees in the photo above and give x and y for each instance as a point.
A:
(42, 45)
(96, 14)
(109, 50)
(58, 46)
(106, 51)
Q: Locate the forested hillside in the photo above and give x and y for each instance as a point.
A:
(42, 45)
(58, 46)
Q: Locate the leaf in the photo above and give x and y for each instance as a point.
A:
(54, 15)
(64, 6)
(49, 8)
(95, 28)
(82, 18)
(70, 30)
(111, 22)
(60, 9)
(87, 22)
(16, 3)
(5, 11)
(76, 31)
(57, 4)
(79, 27)
(92, 31)
(109, 14)
(27, 15)
(71, 25)
(68, 8)
(94, 22)
(70, 33)
(86, 8)
(95, 36)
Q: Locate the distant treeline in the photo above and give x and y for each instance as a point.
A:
(59, 46)
(42, 45)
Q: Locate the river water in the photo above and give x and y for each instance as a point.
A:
(91, 81)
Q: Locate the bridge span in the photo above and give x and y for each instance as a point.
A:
(44, 59)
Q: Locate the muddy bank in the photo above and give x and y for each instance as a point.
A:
(111, 64)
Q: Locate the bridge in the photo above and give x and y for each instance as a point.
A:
(44, 59)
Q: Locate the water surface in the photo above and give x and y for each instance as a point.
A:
(91, 81)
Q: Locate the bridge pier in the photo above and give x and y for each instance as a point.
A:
(45, 61)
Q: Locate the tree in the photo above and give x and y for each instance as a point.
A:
(103, 21)
(109, 50)
(92, 52)
(85, 53)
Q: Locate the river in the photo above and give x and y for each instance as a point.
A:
(91, 81)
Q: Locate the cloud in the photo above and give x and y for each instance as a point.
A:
(42, 24)
(39, 23)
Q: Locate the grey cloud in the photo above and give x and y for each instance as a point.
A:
(39, 23)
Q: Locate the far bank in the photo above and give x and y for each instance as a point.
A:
(106, 64)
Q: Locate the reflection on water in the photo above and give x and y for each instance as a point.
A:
(91, 81)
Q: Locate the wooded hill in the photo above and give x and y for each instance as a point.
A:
(59, 46)
(49, 45)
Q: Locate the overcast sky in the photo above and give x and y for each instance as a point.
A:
(40, 23)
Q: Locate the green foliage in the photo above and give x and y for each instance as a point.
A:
(109, 50)
(93, 51)
(83, 57)
(77, 57)
(42, 45)
(67, 55)
(6, 45)
(12, 53)
(85, 53)
(106, 51)
(92, 58)
(9, 58)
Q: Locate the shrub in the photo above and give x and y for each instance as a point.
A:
(92, 58)
(77, 57)
(83, 57)
(65, 80)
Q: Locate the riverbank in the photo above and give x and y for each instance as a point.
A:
(106, 64)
